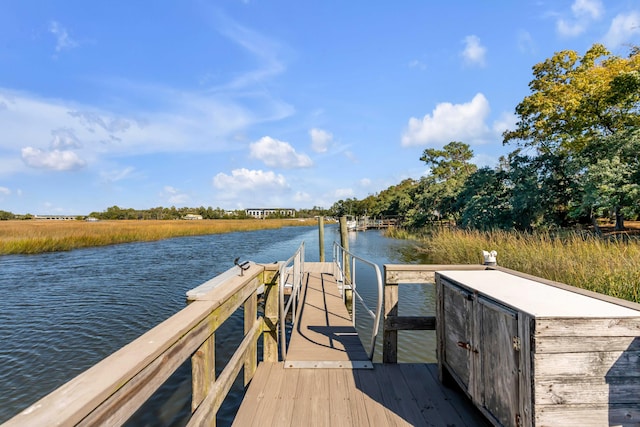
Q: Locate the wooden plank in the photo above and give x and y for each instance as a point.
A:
(324, 335)
(596, 364)
(422, 385)
(588, 415)
(525, 404)
(379, 414)
(573, 344)
(397, 395)
(255, 395)
(207, 410)
(284, 392)
(587, 390)
(203, 371)
(421, 273)
(457, 333)
(582, 327)
(390, 337)
(456, 408)
(410, 323)
(271, 316)
(312, 398)
(250, 316)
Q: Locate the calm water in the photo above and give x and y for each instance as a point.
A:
(61, 313)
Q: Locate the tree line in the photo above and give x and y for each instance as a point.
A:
(576, 157)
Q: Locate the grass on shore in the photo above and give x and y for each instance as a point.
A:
(606, 265)
(31, 237)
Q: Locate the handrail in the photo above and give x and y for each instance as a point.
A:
(340, 256)
(294, 280)
(112, 390)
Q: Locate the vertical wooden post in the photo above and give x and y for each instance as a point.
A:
(346, 261)
(271, 313)
(203, 371)
(250, 317)
(390, 338)
(321, 237)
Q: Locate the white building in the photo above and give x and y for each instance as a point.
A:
(262, 213)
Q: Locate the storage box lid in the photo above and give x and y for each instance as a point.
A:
(535, 298)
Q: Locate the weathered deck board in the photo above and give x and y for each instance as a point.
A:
(324, 336)
(389, 395)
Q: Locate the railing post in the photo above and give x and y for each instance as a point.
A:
(250, 316)
(390, 338)
(203, 371)
(271, 313)
(321, 237)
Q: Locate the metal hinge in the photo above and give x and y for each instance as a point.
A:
(517, 345)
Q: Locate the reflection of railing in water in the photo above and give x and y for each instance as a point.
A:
(345, 272)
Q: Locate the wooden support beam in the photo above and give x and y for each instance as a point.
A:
(250, 316)
(203, 371)
(271, 313)
(410, 323)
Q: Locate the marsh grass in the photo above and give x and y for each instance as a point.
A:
(606, 265)
(31, 237)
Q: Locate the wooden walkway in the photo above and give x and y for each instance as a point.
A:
(320, 384)
(324, 336)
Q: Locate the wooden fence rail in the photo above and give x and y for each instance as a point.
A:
(112, 390)
(397, 274)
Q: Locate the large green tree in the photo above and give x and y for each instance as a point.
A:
(576, 104)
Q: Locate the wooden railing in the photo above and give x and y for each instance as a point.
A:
(112, 390)
(398, 274)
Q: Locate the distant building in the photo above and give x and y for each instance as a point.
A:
(192, 216)
(56, 217)
(262, 213)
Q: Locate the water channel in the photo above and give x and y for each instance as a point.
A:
(60, 313)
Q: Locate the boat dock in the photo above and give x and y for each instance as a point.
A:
(499, 363)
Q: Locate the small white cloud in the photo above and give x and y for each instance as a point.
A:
(63, 39)
(278, 154)
(474, 52)
(449, 122)
(245, 179)
(58, 160)
(525, 42)
(506, 121)
(64, 138)
(5, 191)
(320, 140)
(301, 196)
(584, 12)
(116, 175)
(174, 196)
(591, 8)
(417, 64)
(342, 193)
(623, 28)
(365, 182)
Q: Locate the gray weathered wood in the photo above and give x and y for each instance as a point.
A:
(390, 337)
(410, 323)
(203, 371)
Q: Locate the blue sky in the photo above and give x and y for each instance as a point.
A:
(259, 103)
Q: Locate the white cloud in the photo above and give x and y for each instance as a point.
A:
(525, 42)
(57, 160)
(623, 28)
(474, 52)
(5, 191)
(63, 39)
(320, 140)
(175, 196)
(64, 138)
(449, 122)
(417, 64)
(245, 179)
(342, 193)
(365, 182)
(278, 154)
(584, 12)
(591, 8)
(506, 121)
(116, 174)
(301, 196)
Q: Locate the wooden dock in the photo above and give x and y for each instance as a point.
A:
(327, 378)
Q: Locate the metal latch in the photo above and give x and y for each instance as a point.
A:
(517, 345)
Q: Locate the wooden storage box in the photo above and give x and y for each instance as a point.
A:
(532, 354)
